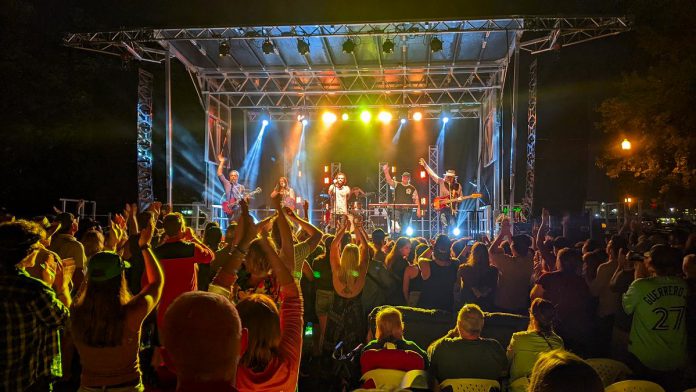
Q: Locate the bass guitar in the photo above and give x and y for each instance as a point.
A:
(444, 201)
(230, 205)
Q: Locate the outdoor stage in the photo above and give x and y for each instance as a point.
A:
(288, 77)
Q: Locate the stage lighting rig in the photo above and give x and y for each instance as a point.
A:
(348, 46)
(417, 116)
(302, 47)
(435, 45)
(388, 46)
(267, 46)
(224, 49)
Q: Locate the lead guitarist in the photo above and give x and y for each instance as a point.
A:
(449, 188)
(234, 191)
(404, 193)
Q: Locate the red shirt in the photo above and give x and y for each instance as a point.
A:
(178, 259)
(281, 373)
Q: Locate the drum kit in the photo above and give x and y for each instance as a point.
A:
(358, 202)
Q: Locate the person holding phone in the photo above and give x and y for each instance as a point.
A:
(514, 282)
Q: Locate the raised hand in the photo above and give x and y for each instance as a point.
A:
(385, 167)
(146, 234)
(422, 162)
(221, 158)
(545, 216)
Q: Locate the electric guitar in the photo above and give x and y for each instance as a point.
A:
(444, 201)
(230, 205)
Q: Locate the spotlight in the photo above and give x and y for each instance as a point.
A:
(445, 120)
(417, 116)
(403, 121)
(365, 116)
(409, 231)
(267, 46)
(326, 180)
(224, 49)
(264, 123)
(300, 117)
(302, 47)
(348, 46)
(304, 122)
(422, 175)
(384, 117)
(423, 200)
(345, 117)
(388, 46)
(456, 232)
(328, 118)
(436, 45)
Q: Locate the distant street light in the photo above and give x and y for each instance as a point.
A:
(628, 200)
(625, 145)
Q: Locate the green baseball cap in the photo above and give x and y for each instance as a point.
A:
(104, 266)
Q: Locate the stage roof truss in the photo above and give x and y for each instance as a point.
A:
(472, 61)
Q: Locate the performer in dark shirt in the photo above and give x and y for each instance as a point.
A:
(234, 191)
(404, 193)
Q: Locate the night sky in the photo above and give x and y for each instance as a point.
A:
(69, 119)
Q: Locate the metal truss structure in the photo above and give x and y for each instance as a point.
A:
(433, 191)
(527, 201)
(144, 139)
(282, 70)
(335, 169)
(382, 185)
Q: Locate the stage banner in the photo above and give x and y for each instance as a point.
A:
(490, 135)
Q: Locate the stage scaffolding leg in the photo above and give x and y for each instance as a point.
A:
(433, 192)
(513, 128)
(528, 201)
(144, 141)
(168, 110)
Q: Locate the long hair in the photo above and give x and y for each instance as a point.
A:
(478, 260)
(93, 241)
(560, 370)
(261, 318)
(98, 315)
(389, 324)
(569, 261)
(256, 262)
(394, 252)
(542, 315)
(287, 184)
(350, 259)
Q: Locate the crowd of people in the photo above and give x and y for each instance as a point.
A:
(148, 304)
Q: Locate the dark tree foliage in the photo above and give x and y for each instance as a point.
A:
(655, 105)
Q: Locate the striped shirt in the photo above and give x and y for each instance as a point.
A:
(31, 318)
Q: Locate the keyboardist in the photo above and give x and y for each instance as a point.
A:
(406, 195)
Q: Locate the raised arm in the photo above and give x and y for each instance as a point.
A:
(148, 297)
(504, 232)
(387, 176)
(314, 233)
(335, 258)
(430, 171)
(287, 252)
(543, 229)
(221, 165)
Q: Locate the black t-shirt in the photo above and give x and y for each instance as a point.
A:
(437, 292)
(403, 194)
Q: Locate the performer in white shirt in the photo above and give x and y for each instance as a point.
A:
(339, 192)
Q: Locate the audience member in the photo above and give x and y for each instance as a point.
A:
(398, 260)
(67, 246)
(324, 295)
(562, 371)
(525, 347)
(477, 280)
(658, 304)
(467, 355)
(202, 363)
(31, 317)
(439, 276)
(106, 320)
(390, 334)
(93, 243)
(516, 270)
(568, 291)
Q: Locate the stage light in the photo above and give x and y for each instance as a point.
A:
(456, 232)
(384, 117)
(348, 46)
(302, 47)
(435, 45)
(345, 116)
(417, 116)
(298, 200)
(628, 200)
(422, 174)
(445, 120)
(304, 122)
(299, 173)
(224, 49)
(326, 168)
(267, 46)
(625, 145)
(300, 117)
(424, 201)
(264, 123)
(326, 181)
(409, 231)
(393, 169)
(388, 46)
(365, 116)
(328, 118)
(403, 121)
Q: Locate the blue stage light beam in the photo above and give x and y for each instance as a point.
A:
(441, 147)
(249, 172)
(302, 183)
(396, 137)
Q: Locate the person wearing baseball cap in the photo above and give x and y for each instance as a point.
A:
(106, 319)
(404, 194)
(449, 189)
(439, 277)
